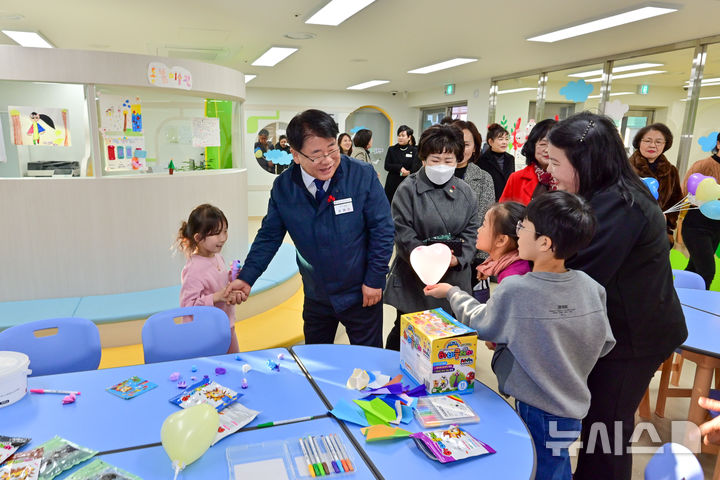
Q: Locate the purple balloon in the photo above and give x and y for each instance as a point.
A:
(693, 181)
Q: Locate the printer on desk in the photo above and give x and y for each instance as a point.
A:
(51, 168)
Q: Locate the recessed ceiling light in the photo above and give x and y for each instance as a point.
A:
(249, 77)
(705, 81)
(443, 65)
(628, 75)
(28, 39)
(300, 36)
(614, 94)
(624, 68)
(634, 15)
(274, 56)
(514, 90)
(337, 11)
(364, 85)
(702, 98)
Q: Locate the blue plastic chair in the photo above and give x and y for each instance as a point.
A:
(685, 279)
(673, 461)
(206, 333)
(75, 346)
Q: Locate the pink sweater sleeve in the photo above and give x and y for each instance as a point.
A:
(194, 290)
(520, 267)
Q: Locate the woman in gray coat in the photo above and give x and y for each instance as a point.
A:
(430, 203)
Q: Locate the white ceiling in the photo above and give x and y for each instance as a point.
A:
(383, 41)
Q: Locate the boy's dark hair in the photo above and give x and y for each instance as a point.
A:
(537, 133)
(308, 123)
(477, 138)
(658, 127)
(595, 150)
(564, 217)
(505, 217)
(496, 130)
(362, 138)
(205, 220)
(439, 139)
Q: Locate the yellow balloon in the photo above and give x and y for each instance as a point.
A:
(187, 434)
(707, 190)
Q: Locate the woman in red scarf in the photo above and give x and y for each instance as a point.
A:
(526, 184)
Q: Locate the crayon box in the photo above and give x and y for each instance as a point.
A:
(438, 351)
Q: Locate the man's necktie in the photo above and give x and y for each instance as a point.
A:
(320, 192)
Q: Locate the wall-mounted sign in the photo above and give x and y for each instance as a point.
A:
(643, 89)
(161, 75)
(450, 89)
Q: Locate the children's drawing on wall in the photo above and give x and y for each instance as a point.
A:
(271, 148)
(121, 127)
(124, 152)
(39, 126)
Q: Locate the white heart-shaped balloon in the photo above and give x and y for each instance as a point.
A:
(431, 262)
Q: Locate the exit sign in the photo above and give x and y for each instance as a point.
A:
(450, 89)
(643, 89)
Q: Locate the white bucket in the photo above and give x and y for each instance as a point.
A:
(13, 377)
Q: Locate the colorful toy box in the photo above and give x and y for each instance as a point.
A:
(438, 351)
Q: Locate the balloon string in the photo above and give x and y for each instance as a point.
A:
(177, 471)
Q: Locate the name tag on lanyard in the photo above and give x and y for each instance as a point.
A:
(343, 205)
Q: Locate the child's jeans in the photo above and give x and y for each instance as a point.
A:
(552, 435)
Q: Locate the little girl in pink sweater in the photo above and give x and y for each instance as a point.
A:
(206, 277)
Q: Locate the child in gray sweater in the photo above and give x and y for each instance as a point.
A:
(550, 325)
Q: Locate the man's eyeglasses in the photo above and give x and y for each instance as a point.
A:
(520, 226)
(321, 156)
(650, 141)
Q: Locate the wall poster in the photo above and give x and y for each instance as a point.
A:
(42, 126)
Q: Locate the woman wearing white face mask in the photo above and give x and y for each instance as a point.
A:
(429, 204)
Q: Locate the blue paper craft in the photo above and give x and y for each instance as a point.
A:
(132, 387)
(407, 414)
(708, 142)
(349, 412)
(577, 91)
(279, 157)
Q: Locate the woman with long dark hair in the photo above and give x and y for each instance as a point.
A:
(344, 141)
(629, 257)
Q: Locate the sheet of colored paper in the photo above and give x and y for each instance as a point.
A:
(377, 408)
(132, 387)
(396, 379)
(383, 432)
(379, 379)
(394, 389)
(350, 413)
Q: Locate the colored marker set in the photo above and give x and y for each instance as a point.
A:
(332, 460)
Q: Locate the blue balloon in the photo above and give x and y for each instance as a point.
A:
(711, 209)
(652, 184)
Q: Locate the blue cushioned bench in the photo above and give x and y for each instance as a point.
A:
(122, 307)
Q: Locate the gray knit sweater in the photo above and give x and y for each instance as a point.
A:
(550, 328)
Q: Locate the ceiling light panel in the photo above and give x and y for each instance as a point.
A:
(364, 85)
(624, 68)
(443, 65)
(337, 11)
(614, 94)
(274, 56)
(249, 77)
(515, 90)
(28, 39)
(603, 24)
(628, 75)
